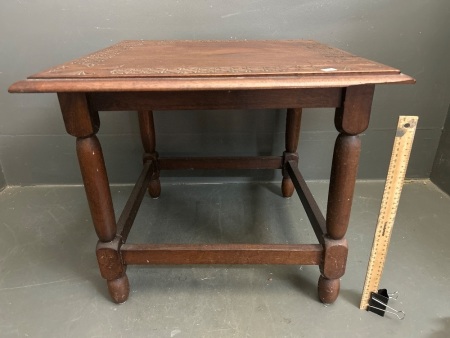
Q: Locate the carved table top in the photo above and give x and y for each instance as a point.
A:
(139, 65)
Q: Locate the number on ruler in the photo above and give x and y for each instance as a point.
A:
(397, 169)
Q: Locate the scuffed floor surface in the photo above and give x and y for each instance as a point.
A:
(50, 285)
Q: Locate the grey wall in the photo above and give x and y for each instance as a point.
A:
(412, 35)
(440, 174)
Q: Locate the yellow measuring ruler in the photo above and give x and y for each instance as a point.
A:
(404, 138)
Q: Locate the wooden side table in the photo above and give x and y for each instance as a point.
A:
(159, 75)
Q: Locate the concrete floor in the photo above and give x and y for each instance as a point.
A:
(50, 285)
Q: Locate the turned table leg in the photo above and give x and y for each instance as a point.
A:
(147, 129)
(293, 121)
(83, 123)
(350, 120)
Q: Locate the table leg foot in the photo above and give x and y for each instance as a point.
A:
(119, 289)
(328, 289)
(154, 188)
(287, 187)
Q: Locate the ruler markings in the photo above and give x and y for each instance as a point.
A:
(406, 129)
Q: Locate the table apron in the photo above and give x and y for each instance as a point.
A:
(217, 99)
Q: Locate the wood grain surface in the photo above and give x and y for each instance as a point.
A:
(166, 65)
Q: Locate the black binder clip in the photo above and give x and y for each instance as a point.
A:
(378, 304)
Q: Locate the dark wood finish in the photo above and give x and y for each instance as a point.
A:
(353, 116)
(96, 184)
(315, 216)
(342, 184)
(221, 99)
(334, 259)
(130, 210)
(109, 259)
(187, 59)
(328, 289)
(351, 119)
(293, 123)
(150, 75)
(207, 65)
(259, 162)
(203, 84)
(119, 289)
(83, 122)
(98, 194)
(340, 197)
(147, 129)
(79, 119)
(113, 270)
(304, 254)
(154, 188)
